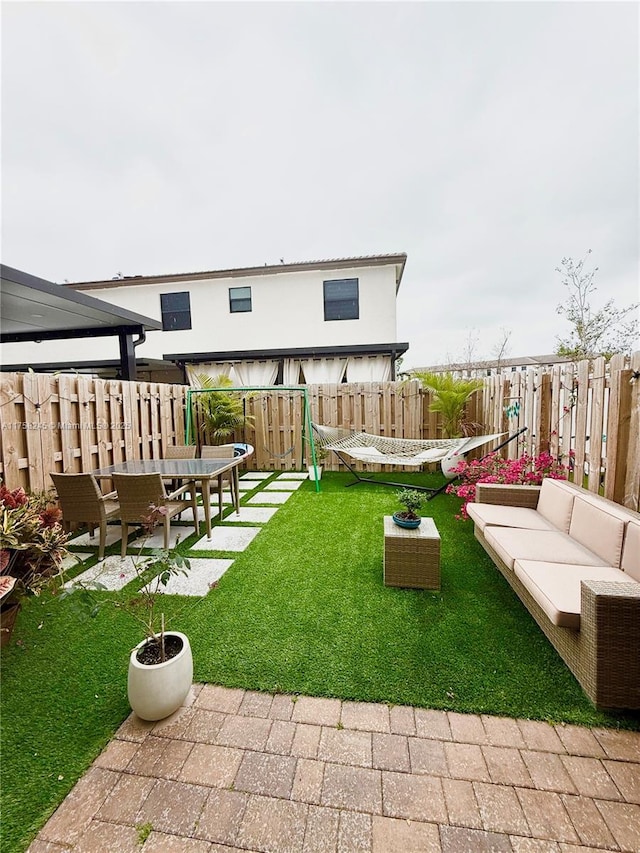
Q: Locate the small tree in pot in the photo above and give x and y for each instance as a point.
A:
(412, 500)
(161, 665)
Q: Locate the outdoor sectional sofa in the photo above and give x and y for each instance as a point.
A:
(573, 558)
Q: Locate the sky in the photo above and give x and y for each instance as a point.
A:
(488, 141)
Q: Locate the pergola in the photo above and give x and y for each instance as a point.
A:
(33, 309)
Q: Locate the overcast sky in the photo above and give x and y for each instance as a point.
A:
(485, 140)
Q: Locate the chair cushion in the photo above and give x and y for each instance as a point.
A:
(599, 529)
(549, 546)
(630, 562)
(556, 502)
(556, 587)
(507, 516)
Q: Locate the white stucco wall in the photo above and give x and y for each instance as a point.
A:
(287, 311)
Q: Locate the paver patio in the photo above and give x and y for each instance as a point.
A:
(237, 770)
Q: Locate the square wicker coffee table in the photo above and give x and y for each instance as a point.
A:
(412, 557)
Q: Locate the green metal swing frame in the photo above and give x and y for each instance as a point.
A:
(307, 431)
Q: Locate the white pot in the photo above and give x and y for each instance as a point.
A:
(157, 690)
(312, 473)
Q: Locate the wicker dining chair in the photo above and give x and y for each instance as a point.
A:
(178, 451)
(137, 493)
(221, 451)
(81, 501)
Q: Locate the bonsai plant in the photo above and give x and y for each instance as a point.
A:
(411, 500)
(32, 548)
(161, 664)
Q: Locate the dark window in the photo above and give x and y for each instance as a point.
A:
(341, 299)
(239, 299)
(176, 311)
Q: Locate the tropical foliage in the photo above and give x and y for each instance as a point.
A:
(32, 541)
(220, 413)
(450, 396)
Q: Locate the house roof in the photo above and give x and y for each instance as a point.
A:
(395, 349)
(399, 260)
(32, 308)
(523, 361)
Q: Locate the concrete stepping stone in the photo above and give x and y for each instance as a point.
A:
(293, 475)
(226, 499)
(258, 515)
(265, 497)
(256, 475)
(112, 572)
(227, 539)
(156, 540)
(249, 485)
(187, 515)
(283, 486)
(114, 534)
(73, 560)
(198, 579)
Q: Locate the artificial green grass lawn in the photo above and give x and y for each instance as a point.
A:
(302, 610)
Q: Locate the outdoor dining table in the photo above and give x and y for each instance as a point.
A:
(203, 470)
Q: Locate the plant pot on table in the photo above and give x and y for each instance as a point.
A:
(408, 523)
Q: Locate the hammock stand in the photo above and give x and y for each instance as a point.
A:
(399, 451)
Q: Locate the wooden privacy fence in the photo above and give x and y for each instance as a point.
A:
(73, 423)
(587, 414)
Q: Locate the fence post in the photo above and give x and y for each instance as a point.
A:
(632, 484)
(618, 434)
(543, 420)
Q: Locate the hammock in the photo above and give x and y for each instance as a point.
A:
(410, 452)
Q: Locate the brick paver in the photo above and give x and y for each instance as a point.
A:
(237, 770)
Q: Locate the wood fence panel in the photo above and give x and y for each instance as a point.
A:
(543, 421)
(598, 388)
(619, 420)
(582, 408)
(515, 399)
(78, 423)
(13, 435)
(144, 402)
(48, 417)
(527, 399)
(167, 432)
(129, 412)
(67, 417)
(632, 485)
(554, 410)
(30, 392)
(565, 413)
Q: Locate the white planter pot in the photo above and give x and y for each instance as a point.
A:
(312, 473)
(158, 690)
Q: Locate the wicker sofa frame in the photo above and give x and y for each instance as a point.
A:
(604, 654)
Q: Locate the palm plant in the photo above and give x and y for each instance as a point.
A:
(450, 399)
(220, 413)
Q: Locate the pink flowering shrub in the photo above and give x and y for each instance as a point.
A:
(527, 470)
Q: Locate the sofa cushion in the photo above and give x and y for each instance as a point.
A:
(599, 529)
(549, 546)
(556, 502)
(630, 562)
(556, 588)
(507, 516)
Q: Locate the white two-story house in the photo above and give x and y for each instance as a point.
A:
(317, 321)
